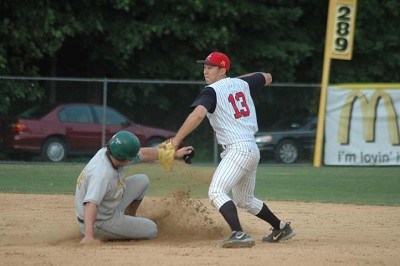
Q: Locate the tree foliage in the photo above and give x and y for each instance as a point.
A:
(156, 39)
(376, 55)
(149, 39)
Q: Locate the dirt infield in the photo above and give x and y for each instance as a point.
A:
(42, 230)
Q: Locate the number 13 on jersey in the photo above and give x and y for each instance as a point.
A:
(343, 28)
(239, 104)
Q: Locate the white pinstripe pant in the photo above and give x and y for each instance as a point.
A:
(237, 173)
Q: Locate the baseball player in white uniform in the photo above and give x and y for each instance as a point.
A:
(106, 201)
(228, 104)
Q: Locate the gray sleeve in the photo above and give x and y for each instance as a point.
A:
(97, 189)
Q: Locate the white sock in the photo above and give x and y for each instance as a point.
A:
(282, 225)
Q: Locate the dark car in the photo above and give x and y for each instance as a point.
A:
(288, 139)
(56, 132)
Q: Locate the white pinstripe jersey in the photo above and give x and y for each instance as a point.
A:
(234, 119)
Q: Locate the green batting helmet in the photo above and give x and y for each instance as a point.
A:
(124, 145)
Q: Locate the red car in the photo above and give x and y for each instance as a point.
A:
(55, 132)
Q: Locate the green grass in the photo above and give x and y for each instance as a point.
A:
(39, 178)
(357, 185)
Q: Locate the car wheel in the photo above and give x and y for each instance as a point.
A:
(286, 152)
(153, 142)
(54, 150)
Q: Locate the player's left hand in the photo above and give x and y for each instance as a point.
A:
(169, 142)
(188, 157)
(184, 152)
(166, 154)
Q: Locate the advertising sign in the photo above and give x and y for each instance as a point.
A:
(362, 125)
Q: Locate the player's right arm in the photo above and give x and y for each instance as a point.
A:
(191, 123)
(89, 219)
(250, 78)
(205, 102)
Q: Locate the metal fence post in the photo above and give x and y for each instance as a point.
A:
(103, 130)
(215, 150)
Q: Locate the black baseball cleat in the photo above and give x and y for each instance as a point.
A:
(238, 239)
(281, 234)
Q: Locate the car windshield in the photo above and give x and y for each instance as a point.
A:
(36, 112)
(113, 118)
(290, 124)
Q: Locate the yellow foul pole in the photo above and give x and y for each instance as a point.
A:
(338, 45)
(324, 85)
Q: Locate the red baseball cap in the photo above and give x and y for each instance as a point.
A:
(217, 59)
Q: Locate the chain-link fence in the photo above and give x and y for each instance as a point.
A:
(31, 129)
